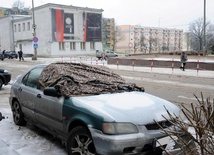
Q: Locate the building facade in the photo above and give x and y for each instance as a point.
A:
(59, 30)
(108, 33)
(140, 39)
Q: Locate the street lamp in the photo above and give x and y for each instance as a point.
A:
(34, 32)
(204, 45)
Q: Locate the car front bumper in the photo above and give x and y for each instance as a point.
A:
(125, 144)
(7, 78)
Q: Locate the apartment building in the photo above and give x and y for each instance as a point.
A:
(140, 39)
(60, 30)
(108, 33)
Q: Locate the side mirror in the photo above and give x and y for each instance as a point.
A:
(51, 91)
(1, 117)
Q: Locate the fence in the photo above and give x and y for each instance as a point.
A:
(151, 63)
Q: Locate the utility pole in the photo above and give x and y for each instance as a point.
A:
(34, 32)
(204, 45)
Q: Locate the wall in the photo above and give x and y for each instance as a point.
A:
(5, 34)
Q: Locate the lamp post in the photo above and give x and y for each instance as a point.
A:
(204, 45)
(34, 32)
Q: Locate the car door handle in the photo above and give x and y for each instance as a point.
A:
(39, 96)
(20, 89)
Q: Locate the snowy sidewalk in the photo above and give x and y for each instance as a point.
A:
(187, 72)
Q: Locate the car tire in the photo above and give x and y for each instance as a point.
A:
(1, 83)
(80, 142)
(18, 116)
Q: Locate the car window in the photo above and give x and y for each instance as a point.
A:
(31, 79)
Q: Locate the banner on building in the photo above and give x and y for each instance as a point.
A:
(92, 27)
(62, 25)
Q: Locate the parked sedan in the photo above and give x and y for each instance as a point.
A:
(5, 77)
(10, 54)
(105, 54)
(90, 122)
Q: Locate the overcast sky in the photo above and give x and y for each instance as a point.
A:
(154, 13)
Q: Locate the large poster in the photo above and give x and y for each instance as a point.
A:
(92, 27)
(68, 26)
(62, 25)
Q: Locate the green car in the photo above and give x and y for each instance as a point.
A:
(91, 109)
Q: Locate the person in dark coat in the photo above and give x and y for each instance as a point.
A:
(3, 53)
(20, 53)
(183, 60)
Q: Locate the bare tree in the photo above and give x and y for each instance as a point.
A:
(196, 29)
(152, 42)
(18, 4)
(143, 45)
(18, 7)
(119, 36)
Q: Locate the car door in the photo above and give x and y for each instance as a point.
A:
(27, 92)
(48, 111)
(40, 108)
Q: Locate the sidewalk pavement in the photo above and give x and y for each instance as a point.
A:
(174, 71)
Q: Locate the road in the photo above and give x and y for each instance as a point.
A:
(22, 140)
(175, 88)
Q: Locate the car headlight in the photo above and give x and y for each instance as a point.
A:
(119, 128)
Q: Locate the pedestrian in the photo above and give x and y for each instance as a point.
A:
(183, 60)
(20, 53)
(3, 53)
(103, 55)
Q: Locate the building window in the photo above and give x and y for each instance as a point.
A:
(92, 45)
(72, 46)
(61, 46)
(23, 26)
(19, 27)
(82, 45)
(14, 28)
(28, 26)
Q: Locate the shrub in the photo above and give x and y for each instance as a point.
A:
(193, 135)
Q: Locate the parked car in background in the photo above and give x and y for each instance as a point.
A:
(10, 54)
(5, 77)
(105, 54)
(90, 108)
(1, 56)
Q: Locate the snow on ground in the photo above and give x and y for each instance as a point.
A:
(15, 140)
(28, 140)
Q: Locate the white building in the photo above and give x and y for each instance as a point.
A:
(60, 30)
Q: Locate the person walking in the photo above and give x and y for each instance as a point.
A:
(3, 53)
(20, 53)
(183, 60)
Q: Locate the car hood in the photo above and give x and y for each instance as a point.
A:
(136, 107)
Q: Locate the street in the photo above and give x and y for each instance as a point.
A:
(22, 140)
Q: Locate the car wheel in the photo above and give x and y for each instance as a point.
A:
(1, 83)
(80, 142)
(18, 116)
